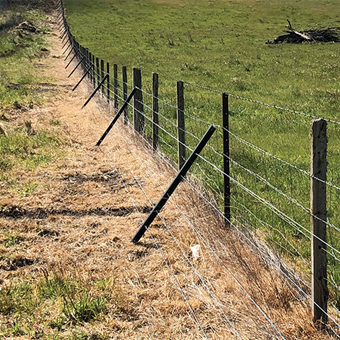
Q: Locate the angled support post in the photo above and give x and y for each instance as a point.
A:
(63, 40)
(69, 52)
(65, 43)
(95, 91)
(81, 60)
(67, 48)
(82, 78)
(178, 179)
(122, 109)
(63, 32)
(72, 59)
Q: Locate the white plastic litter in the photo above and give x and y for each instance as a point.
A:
(195, 251)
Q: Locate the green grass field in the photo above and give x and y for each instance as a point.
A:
(221, 45)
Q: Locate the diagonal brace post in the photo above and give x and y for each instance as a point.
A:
(72, 59)
(81, 60)
(95, 91)
(83, 77)
(117, 116)
(68, 54)
(64, 38)
(67, 48)
(187, 165)
(65, 43)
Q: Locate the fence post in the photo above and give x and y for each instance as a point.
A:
(86, 60)
(90, 61)
(115, 86)
(226, 155)
(180, 124)
(108, 81)
(97, 71)
(318, 218)
(138, 114)
(126, 110)
(93, 71)
(102, 75)
(155, 111)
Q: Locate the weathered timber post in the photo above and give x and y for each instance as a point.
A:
(102, 75)
(226, 155)
(180, 124)
(138, 112)
(155, 139)
(115, 86)
(108, 81)
(318, 218)
(126, 110)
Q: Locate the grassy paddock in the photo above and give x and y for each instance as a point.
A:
(221, 45)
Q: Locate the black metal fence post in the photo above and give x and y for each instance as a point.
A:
(93, 71)
(138, 113)
(108, 81)
(226, 155)
(97, 72)
(115, 86)
(180, 124)
(102, 76)
(90, 62)
(126, 110)
(155, 120)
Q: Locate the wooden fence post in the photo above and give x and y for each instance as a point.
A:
(318, 218)
(115, 86)
(155, 139)
(108, 81)
(138, 114)
(180, 124)
(226, 155)
(126, 111)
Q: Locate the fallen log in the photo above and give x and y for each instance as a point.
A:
(329, 34)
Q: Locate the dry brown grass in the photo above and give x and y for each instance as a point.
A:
(76, 226)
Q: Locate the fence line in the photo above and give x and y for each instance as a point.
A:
(164, 132)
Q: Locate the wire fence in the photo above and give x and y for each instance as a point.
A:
(243, 176)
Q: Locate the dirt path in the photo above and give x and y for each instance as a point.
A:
(72, 223)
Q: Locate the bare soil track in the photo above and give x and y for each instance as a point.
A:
(79, 219)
